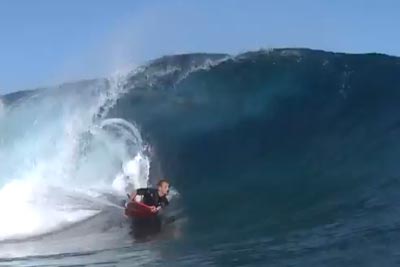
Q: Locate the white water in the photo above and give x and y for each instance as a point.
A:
(58, 152)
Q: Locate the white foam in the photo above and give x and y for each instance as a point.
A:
(60, 139)
(135, 173)
(26, 211)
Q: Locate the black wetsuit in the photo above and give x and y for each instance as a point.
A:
(151, 197)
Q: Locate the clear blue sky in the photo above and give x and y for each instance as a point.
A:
(45, 42)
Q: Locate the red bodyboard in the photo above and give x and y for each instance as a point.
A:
(139, 210)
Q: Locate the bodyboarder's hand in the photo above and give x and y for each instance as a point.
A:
(153, 209)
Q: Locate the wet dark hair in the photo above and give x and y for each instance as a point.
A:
(162, 181)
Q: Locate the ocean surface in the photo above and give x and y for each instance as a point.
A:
(284, 157)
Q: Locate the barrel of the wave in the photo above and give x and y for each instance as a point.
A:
(135, 209)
